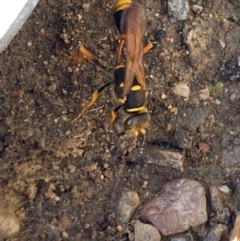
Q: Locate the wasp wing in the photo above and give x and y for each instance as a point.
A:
(134, 29)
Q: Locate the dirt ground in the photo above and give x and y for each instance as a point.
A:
(63, 181)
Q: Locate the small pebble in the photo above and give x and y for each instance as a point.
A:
(197, 8)
(145, 183)
(86, 7)
(67, 133)
(233, 97)
(177, 10)
(65, 38)
(174, 110)
(224, 189)
(163, 96)
(203, 147)
(86, 226)
(179, 239)
(169, 127)
(29, 44)
(128, 203)
(119, 228)
(52, 88)
(204, 94)
(181, 89)
(146, 232)
(216, 232)
(106, 165)
(216, 199)
(79, 16)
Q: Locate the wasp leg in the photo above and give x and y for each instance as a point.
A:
(91, 102)
(119, 49)
(120, 46)
(147, 48)
(114, 114)
(131, 145)
(143, 132)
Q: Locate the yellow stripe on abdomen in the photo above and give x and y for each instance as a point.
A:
(121, 100)
(136, 109)
(136, 87)
(122, 4)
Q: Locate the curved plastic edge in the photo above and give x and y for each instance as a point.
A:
(17, 24)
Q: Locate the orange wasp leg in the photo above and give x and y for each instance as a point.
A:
(147, 48)
(120, 46)
(92, 101)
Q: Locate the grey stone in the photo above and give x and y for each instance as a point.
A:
(231, 144)
(177, 10)
(181, 89)
(145, 232)
(179, 239)
(204, 94)
(216, 200)
(127, 205)
(231, 157)
(161, 156)
(215, 233)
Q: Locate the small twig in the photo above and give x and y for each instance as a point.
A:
(98, 108)
(93, 31)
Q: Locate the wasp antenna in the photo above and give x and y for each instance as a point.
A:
(90, 57)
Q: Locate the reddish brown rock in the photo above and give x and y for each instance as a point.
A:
(181, 204)
(203, 147)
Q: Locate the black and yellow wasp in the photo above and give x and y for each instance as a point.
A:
(131, 115)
